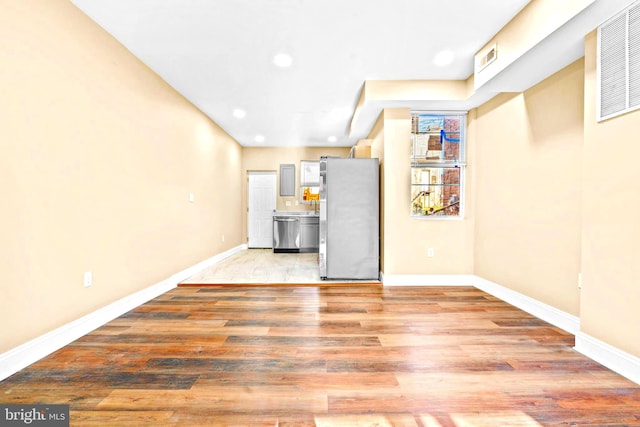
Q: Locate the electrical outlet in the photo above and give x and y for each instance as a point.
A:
(88, 279)
(431, 252)
(192, 197)
(223, 237)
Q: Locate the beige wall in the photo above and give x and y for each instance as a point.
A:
(529, 187)
(376, 136)
(269, 159)
(532, 25)
(406, 239)
(100, 155)
(422, 90)
(99, 158)
(553, 198)
(610, 226)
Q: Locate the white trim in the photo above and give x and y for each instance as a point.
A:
(24, 355)
(427, 280)
(617, 360)
(558, 318)
(613, 358)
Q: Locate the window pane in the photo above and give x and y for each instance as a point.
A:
(435, 191)
(437, 137)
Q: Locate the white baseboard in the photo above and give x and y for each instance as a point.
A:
(558, 318)
(550, 314)
(618, 361)
(427, 280)
(613, 358)
(24, 355)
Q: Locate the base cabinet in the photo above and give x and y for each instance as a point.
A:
(309, 234)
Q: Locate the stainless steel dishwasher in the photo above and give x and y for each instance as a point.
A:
(286, 234)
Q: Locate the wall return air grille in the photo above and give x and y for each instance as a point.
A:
(619, 64)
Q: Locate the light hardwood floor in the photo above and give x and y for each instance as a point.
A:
(327, 356)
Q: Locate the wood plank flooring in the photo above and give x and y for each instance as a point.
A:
(327, 356)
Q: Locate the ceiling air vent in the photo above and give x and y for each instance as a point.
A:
(488, 57)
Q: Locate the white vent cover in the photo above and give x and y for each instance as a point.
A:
(634, 57)
(619, 64)
(488, 57)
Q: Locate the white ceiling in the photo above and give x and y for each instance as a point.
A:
(219, 54)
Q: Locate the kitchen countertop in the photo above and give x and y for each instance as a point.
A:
(296, 214)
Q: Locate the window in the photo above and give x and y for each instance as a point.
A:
(309, 181)
(437, 164)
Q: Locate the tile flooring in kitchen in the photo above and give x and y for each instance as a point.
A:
(261, 266)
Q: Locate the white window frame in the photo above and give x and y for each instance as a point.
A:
(458, 163)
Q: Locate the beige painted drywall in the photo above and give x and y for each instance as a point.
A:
(406, 239)
(398, 91)
(270, 159)
(610, 226)
(528, 189)
(376, 136)
(532, 25)
(422, 90)
(99, 156)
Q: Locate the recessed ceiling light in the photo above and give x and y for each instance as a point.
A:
(443, 58)
(332, 139)
(259, 138)
(282, 60)
(239, 113)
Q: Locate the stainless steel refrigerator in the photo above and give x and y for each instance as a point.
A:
(349, 219)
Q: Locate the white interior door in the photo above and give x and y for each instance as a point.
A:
(261, 204)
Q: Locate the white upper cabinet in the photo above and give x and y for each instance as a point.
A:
(309, 173)
(287, 180)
